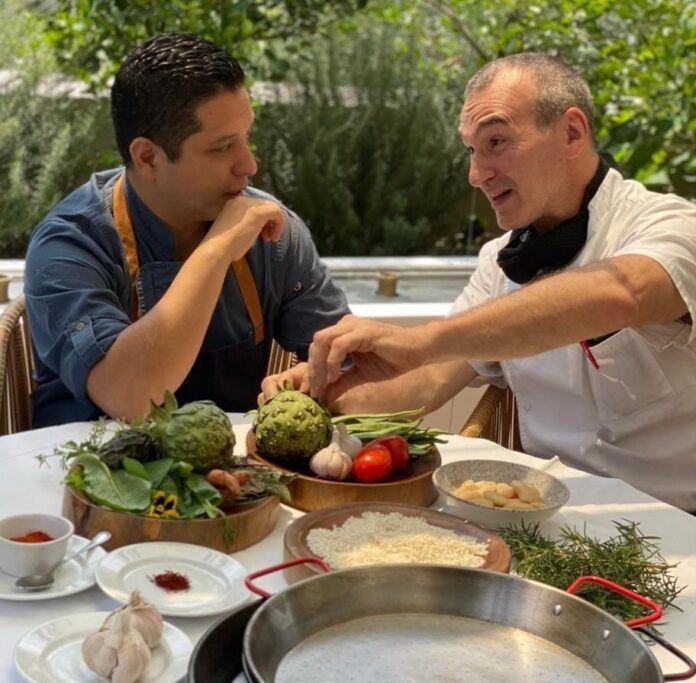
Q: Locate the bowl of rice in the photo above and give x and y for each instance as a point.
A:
(387, 533)
(497, 493)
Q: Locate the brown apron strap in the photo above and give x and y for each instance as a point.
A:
(250, 295)
(125, 231)
(242, 272)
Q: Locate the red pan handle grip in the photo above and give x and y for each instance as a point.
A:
(654, 615)
(248, 581)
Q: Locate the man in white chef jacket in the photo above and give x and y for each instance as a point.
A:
(584, 307)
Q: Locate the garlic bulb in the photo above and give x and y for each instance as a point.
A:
(120, 650)
(349, 443)
(331, 463)
(146, 618)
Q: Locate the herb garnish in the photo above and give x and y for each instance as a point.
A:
(631, 559)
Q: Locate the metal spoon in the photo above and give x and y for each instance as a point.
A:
(39, 582)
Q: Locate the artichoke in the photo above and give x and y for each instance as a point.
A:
(292, 425)
(198, 433)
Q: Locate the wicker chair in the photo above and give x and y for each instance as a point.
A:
(495, 418)
(16, 369)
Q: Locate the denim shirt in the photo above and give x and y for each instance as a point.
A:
(77, 290)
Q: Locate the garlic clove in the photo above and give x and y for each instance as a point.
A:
(133, 658)
(350, 444)
(100, 650)
(99, 657)
(146, 618)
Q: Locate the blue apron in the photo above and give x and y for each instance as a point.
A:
(228, 374)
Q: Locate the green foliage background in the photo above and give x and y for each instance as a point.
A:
(385, 174)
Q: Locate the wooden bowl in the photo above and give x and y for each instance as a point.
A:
(414, 487)
(295, 539)
(236, 531)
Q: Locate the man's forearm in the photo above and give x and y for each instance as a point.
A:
(157, 352)
(559, 310)
(427, 387)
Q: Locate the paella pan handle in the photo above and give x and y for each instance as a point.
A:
(690, 673)
(637, 623)
(249, 580)
(654, 615)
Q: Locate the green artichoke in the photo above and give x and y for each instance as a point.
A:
(198, 433)
(292, 425)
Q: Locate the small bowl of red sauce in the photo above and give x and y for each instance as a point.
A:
(33, 543)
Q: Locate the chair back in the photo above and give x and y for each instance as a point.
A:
(495, 418)
(16, 369)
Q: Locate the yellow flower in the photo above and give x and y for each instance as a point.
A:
(163, 505)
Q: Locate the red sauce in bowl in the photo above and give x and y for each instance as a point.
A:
(33, 537)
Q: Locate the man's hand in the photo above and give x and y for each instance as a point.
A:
(378, 351)
(271, 385)
(241, 221)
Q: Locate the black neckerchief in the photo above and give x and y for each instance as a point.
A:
(528, 254)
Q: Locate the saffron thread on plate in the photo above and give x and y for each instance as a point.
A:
(171, 581)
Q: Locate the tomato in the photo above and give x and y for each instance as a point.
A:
(398, 449)
(372, 464)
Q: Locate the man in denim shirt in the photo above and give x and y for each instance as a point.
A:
(128, 281)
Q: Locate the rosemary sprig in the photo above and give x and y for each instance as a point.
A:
(631, 559)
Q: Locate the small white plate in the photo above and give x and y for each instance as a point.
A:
(52, 652)
(74, 576)
(216, 580)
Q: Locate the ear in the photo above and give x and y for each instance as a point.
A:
(576, 131)
(147, 157)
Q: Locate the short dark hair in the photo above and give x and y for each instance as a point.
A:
(161, 83)
(559, 86)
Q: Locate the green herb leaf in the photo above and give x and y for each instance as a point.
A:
(157, 470)
(630, 559)
(135, 468)
(118, 490)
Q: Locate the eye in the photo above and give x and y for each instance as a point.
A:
(224, 148)
(496, 142)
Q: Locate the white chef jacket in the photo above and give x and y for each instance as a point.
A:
(635, 417)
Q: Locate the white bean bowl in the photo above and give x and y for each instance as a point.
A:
(448, 478)
(18, 558)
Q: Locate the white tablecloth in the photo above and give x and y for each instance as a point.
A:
(594, 503)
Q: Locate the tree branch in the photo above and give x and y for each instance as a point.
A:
(441, 7)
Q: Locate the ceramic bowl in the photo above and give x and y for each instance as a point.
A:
(18, 558)
(447, 479)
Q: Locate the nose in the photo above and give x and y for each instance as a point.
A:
(246, 164)
(480, 172)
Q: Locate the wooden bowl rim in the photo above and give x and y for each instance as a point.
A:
(295, 535)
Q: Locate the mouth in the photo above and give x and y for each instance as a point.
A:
(498, 198)
(234, 194)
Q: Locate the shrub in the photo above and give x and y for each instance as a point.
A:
(44, 140)
(385, 174)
